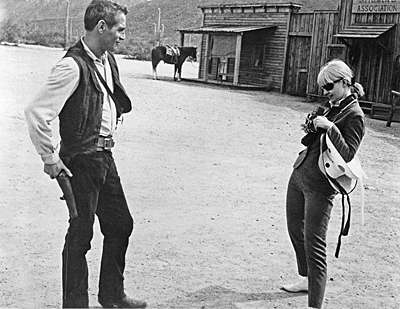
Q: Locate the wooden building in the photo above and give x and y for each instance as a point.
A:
(277, 46)
(244, 44)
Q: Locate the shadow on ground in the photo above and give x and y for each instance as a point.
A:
(222, 298)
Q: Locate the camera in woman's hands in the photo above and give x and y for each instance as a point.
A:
(308, 125)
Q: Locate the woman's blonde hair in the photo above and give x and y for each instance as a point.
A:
(336, 70)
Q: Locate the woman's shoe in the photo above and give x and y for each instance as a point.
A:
(299, 287)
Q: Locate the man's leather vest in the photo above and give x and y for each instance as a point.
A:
(81, 116)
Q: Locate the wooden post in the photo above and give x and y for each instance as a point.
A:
(206, 55)
(394, 96)
(309, 67)
(285, 53)
(237, 58)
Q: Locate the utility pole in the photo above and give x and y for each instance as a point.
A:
(66, 30)
(159, 29)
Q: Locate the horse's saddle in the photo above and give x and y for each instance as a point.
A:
(172, 51)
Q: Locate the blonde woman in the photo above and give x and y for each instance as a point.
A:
(309, 194)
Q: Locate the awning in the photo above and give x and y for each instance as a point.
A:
(225, 29)
(364, 31)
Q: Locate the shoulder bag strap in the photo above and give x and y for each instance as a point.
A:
(345, 225)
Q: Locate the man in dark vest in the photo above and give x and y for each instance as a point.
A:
(85, 92)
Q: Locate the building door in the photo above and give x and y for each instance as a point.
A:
(298, 59)
(222, 49)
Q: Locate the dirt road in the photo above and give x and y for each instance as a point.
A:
(205, 171)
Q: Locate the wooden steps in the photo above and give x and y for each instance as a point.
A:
(381, 111)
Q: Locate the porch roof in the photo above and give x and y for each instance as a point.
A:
(364, 31)
(225, 29)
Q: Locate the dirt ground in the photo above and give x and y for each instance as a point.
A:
(205, 170)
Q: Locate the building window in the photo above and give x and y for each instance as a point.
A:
(258, 56)
(336, 51)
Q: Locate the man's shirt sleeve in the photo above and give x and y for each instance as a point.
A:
(47, 104)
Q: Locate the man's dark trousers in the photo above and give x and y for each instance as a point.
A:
(98, 191)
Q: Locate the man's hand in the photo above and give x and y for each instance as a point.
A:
(53, 170)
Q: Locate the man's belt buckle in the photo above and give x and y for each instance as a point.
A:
(108, 143)
(105, 143)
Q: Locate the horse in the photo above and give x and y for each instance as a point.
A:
(160, 53)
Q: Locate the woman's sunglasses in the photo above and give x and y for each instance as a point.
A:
(329, 86)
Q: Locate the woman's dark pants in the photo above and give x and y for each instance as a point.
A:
(308, 210)
(97, 191)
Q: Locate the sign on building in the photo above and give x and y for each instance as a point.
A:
(376, 6)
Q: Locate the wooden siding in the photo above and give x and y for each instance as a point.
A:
(297, 65)
(298, 54)
(372, 63)
(375, 70)
(272, 71)
(345, 13)
(303, 42)
(310, 36)
(375, 61)
(324, 27)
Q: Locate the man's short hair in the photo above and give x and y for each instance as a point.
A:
(102, 10)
